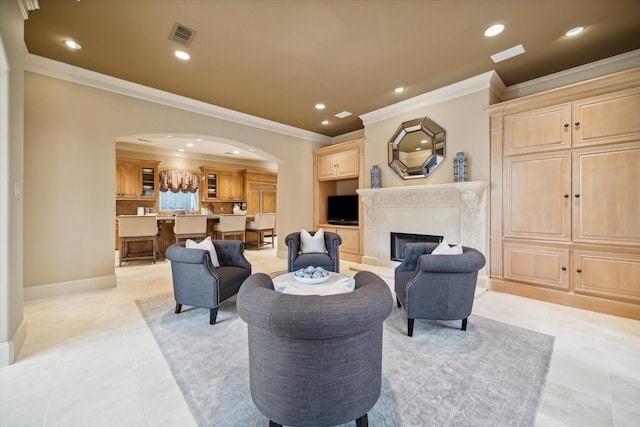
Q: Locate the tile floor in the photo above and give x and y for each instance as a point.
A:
(90, 360)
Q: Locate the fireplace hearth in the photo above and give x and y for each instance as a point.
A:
(399, 240)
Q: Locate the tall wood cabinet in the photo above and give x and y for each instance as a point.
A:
(565, 195)
(338, 170)
(260, 189)
(136, 179)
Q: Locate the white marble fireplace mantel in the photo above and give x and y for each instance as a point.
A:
(457, 211)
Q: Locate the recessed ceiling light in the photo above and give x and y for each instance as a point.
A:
(494, 30)
(182, 55)
(180, 149)
(169, 136)
(199, 139)
(325, 122)
(236, 152)
(189, 145)
(72, 45)
(399, 89)
(574, 31)
(320, 106)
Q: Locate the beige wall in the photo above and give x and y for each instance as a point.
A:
(70, 159)
(12, 325)
(467, 125)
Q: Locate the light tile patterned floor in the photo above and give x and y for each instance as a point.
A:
(90, 360)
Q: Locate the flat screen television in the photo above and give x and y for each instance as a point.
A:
(343, 210)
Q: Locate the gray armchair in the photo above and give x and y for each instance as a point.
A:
(329, 261)
(437, 287)
(315, 360)
(197, 283)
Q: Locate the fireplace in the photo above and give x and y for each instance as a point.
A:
(399, 240)
(457, 211)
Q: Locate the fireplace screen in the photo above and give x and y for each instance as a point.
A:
(399, 240)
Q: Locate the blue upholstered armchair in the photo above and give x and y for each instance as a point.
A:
(329, 261)
(197, 283)
(437, 287)
(315, 360)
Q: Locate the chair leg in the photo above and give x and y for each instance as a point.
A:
(363, 421)
(410, 327)
(272, 424)
(213, 313)
(464, 324)
(178, 308)
(398, 301)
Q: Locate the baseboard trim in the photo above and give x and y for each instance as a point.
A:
(63, 288)
(10, 349)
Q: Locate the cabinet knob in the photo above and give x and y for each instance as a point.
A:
(566, 125)
(576, 195)
(577, 123)
(579, 270)
(566, 196)
(564, 268)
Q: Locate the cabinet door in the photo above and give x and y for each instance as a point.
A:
(540, 265)
(209, 189)
(609, 275)
(538, 130)
(350, 240)
(268, 201)
(327, 167)
(614, 117)
(536, 200)
(606, 194)
(237, 186)
(127, 181)
(224, 186)
(149, 180)
(348, 163)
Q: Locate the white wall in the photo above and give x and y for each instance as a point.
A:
(70, 184)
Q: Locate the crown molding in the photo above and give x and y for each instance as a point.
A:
(455, 90)
(624, 61)
(356, 134)
(59, 70)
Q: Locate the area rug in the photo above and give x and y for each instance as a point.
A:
(491, 375)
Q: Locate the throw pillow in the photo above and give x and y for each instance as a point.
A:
(444, 249)
(206, 245)
(312, 244)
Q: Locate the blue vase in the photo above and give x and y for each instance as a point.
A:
(460, 168)
(376, 180)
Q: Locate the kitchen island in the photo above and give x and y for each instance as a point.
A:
(165, 234)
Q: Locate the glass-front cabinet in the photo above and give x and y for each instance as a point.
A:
(210, 178)
(136, 179)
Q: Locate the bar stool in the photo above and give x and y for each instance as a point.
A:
(137, 228)
(230, 225)
(263, 223)
(189, 227)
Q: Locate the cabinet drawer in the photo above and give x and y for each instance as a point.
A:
(609, 275)
(540, 265)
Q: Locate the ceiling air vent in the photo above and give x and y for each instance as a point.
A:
(182, 34)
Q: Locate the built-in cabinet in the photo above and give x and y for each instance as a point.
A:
(565, 175)
(260, 188)
(338, 170)
(136, 179)
(221, 185)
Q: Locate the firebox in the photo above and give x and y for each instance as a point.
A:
(399, 240)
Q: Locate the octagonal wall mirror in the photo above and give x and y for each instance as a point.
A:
(417, 148)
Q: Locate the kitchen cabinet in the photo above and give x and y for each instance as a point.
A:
(230, 184)
(339, 169)
(565, 198)
(136, 179)
(222, 185)
(260, 191)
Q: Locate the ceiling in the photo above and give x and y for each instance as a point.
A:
(276, 59)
